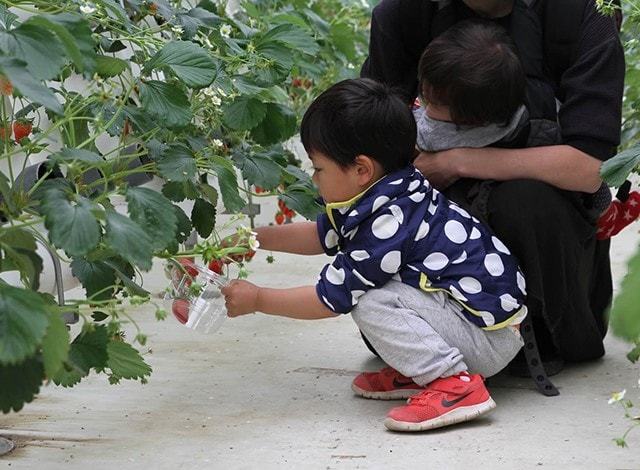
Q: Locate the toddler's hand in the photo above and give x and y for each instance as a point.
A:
(241, 297)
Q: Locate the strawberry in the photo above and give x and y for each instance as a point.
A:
(189, 267)
(259, 190)
(217, 266)
(281, 205)
(289, 213)
(21, 129)
(6, 87)
(249, 255)
(279, 218)
(307, 84)
(180, 310)
(296, 83)
(153, 9)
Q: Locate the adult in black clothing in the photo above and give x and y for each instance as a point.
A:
(541, 204)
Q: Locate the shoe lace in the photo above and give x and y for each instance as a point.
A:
(423, 397)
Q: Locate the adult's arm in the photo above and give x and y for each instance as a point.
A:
(562, 166)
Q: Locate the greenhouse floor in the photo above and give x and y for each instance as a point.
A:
(274, 393)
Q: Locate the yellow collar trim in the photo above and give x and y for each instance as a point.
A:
(337, 205)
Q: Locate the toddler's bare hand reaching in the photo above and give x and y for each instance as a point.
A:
(241, 297)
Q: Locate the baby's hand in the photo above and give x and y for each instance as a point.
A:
(241, 297)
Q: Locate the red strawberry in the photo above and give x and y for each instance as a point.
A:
(249, 255)
(281, 205)
(217, 266)
(259, 190)
(6, 87)
(279, 218)
(189, 267)
(296, 83)
(21, 129)
(289, 213)
(180, 310)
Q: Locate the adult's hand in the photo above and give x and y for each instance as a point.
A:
(440, 168)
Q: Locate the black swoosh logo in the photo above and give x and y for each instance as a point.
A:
(448, 404)
(398, 384)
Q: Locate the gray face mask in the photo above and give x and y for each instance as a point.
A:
(435, 136)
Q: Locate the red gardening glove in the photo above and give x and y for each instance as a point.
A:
(618, 215)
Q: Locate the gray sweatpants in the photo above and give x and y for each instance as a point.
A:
(424, 335)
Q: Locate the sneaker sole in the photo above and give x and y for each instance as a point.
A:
(459, 415)
(402, 394)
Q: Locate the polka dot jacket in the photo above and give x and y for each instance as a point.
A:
(401, 228)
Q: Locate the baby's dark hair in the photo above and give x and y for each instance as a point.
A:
(360, 117)
(473, 68)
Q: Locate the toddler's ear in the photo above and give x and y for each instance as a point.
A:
(368, 170)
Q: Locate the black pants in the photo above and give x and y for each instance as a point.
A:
(568, 273)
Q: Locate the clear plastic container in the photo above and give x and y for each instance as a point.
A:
(195, 299)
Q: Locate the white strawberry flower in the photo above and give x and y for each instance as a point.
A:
(87, 8)
(225, 31)
(218, 143)
(616, 397)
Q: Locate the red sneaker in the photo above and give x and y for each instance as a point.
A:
(388, 384)
(451, 400)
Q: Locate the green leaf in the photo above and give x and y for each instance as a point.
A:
(27, 262)
(203, 217)
(196, 18)
(110, 66)
(617, 169)
(177, 163)
(72, 225)
(183, 227)
(302, 200)
(88, 350)
(625, 315)
(188, 61)
(246, 86)
(23, 323)
(80, 29)
(154, 213)
(259, 170)
(167, 104)
(294, 37)
(342, 37)
(125, 362)
(20, 383)
(244, 113)
(17, 238)
(228, 183)
(37, 47)
(125, 277)
(96, 277)
(209, 193)
(27, 85)
(279, 61)
(129, 240)
(64, 35)
(55, 345)
(278, 125)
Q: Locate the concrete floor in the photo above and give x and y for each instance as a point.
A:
(267, 392)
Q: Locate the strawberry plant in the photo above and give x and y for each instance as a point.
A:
(102, 94)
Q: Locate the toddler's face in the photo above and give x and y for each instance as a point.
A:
(334, 182)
